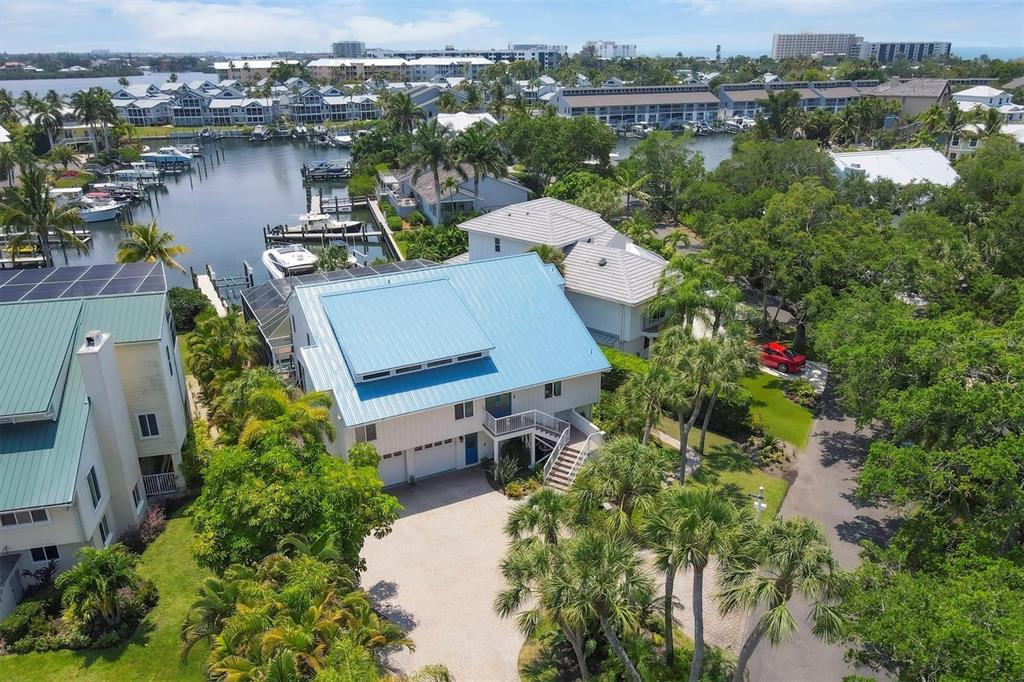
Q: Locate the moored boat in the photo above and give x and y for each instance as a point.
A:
(288, 261)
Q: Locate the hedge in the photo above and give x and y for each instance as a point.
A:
(623, 364)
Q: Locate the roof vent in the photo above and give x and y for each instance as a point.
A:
(603, 262)
(91, 339)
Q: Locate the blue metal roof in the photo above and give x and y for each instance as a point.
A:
(401, 325)
(536, 334)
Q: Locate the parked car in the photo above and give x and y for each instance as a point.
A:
(781, 357)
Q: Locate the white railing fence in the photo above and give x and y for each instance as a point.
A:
(521, 421)
(160, 484)
(593, 442)
(563, 440)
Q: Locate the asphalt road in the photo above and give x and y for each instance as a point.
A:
(826, 477)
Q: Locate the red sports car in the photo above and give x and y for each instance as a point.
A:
(781, 357)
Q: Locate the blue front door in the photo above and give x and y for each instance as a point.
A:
(499, 405)
(471, 451)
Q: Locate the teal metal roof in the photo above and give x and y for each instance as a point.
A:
(39, 460)
(34, 343)
(536, 334)
(401, 325)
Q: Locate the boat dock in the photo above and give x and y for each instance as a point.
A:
(298, 234)
(326, 170)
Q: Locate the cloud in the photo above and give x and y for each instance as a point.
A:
(190, 25)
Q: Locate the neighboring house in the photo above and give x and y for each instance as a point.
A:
(969, 141)
(902, 166)
(5, 136)
(608, 278)
(196, 103)
(982, 97)
(640, 104)
(914, 95)
(461, 121)
(92, 410)
(407, 193)
(146, 111)
(498, 354)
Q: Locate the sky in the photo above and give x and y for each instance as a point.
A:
(693, 27)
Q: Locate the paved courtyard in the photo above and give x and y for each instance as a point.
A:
(437, 574)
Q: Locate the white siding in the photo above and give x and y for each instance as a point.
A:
(495, 193)
(481, 246)
(143, 368)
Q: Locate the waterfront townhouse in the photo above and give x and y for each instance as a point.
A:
(145, 111)
(312, 105)
(741, 99)
(407, 193)
(914, 95)
(246, 70)
(608, 278)
(640, 104)
(92, 410)
(440, 367)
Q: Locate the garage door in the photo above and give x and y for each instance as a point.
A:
(392, 468)
(435, 459)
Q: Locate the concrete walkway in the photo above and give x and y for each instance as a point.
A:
(437, 574)
(826, 478)
(815, 372)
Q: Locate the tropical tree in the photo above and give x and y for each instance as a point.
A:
(64, 155)
(306, 419)
(542, 519)
(632, 182)
(650, 391)
(617, 484)
(782, 113)
(222, 347)
(687, 526)
(766, 566)
(123, 82)
(990, 122)
(8, 112)
(88, 109)
(146, 243)
(30, 208)
(478, 148)
(732, 360)
(472, 92)
(401, 111)
(948, 122)
(683, 291)
(433, 150)
(93, 586)
(497, 94)
(550, 255)
(447, 102)
(231, 408)
(50, 119)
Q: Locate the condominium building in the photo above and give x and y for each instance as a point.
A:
(349, 49)
(743, 99)
(548, 56)
(397, 68)
(886, 52)
(248, 70)
(640, 104)
(806, 43)
(92, 411)
(609, 49)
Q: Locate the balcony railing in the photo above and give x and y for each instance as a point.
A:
(522, 421)
(160, 484)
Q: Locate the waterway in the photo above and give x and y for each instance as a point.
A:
(67, 86)
(219, 210)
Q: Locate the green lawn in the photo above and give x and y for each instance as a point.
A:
(74, 181)
(153, 652)
(165, 131)
(786, 419)
(727, 466)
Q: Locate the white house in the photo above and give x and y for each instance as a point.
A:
(439, 367)
(461, 121)
(608, 278)
(92, 410)
(902, 166)
(407, 193)
(982, 97)
(969, 141)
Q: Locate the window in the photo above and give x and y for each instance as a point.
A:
(41, 554)
(365, 434)
(553, 390)
(464, 410)
(497, 245)
(104, 530)
(170, 365)
(136, 495)
(24, 518)
(148, 426)
(94, 487)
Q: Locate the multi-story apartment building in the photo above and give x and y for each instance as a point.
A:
(742, 99)
(806, 43)
(248, 70)
(397, 69)
(640, 104)
(886, 52)
(548, 56)
(92, 410)
(609, 49)
(349, 49)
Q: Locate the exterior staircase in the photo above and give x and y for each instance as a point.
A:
(562, 472)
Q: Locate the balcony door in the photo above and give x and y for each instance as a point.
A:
(499, 405)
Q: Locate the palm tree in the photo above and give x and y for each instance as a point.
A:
(273, 413)
(231, 408)
(222, 347)
(432, 150)
(638, 228)
(683, 288)
(990, 122)
(401, 111)
(91, 587)
(30, 207)
(123, 82)
(106, 113)
(87, 110)
(618, 484)
(650, 391)
(64, 155)
(550, 255)
(472, 96)
(50, 119)
(7, 163)
(497, 99)
(147, 243)
(30, 102)
(477, 148)
(601, 578)
(686, 528)
(631, 181)
(766, 567)
(447, 102)
(7, 108)
(731, 362)
(543, 518)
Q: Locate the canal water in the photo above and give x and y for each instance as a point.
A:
(67, 86)
(219, 210)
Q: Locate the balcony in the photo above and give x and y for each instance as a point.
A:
(160, 484)
(524, 421)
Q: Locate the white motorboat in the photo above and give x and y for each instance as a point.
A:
(96, 207)
(138, 170)
(300, 131)
(343, 139)
(259, 134)
(168, 155)
(288, 261)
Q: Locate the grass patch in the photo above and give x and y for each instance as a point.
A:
(726, 465)
(79, 180)
(185, 348)
(785, 419)
(165, 131)
(152, 653)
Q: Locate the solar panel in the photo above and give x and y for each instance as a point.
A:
(74, 281)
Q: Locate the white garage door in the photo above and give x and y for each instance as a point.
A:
(392, 468)
(435, 459)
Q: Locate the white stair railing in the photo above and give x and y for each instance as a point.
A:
(592, 443)
(563, 440)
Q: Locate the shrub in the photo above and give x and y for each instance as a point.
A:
(394, 222)
(623, 364)
(186, 306)
(732, 416)
(137, 537)
(362, 185)
(363, 455)
(196, 453)
(758, 424)
(505, 468)
(417, 219)
(520, 487)
(28, 619)
(802, 393)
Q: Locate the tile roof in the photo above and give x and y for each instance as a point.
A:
(537, 337)
(39, 460)
(541, 221)
(910, 87)
(614, 269)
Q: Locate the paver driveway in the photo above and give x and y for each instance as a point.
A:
(437, 574)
